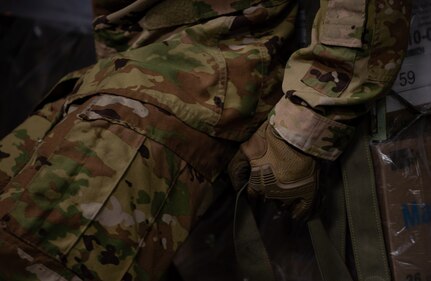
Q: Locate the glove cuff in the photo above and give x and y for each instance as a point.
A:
(309, 131)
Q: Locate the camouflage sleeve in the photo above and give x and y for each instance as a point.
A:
(355, 53)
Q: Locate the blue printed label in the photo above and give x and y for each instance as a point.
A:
(415, 214)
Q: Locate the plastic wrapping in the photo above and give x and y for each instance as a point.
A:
(403, 177)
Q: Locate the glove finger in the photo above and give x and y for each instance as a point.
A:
(301, 204)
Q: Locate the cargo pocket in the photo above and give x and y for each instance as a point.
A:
(54, 199)
(128, 225)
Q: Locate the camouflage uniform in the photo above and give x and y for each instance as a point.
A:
(105, 181)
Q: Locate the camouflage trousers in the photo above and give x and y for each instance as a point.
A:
(95, 201)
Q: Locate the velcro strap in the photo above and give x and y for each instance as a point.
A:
(344, 23)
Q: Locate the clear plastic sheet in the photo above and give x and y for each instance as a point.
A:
(403, 178)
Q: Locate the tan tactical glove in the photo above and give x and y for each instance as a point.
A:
(276, 170)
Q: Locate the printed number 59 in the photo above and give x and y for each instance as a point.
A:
(408, 77)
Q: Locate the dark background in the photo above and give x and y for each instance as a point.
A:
(40, 42)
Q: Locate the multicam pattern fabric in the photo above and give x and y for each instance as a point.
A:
(101, 183)
(328, 140)
(221, 77)
(355, 54)
(144, 20)
(98, 201)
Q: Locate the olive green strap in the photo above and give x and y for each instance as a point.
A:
(331, 265)
(336, 214)
(251, 255)
(363, 211)
(330, 244)
(363, 219)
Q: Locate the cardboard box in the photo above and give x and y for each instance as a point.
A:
(403, 178)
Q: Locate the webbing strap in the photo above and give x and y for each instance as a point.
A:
(336, 208)
(363, 211)
(331, 265)
(251, 255)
